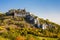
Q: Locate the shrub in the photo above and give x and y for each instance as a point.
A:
(20, 38)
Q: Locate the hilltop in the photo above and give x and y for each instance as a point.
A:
(18, 23)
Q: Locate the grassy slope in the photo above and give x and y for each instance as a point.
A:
(46, 38)
(25, 23)
(41, 38)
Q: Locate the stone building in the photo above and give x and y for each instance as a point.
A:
(18, 12)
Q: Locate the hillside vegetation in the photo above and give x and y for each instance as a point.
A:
(19, 28)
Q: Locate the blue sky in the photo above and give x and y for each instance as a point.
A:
(47, 9)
